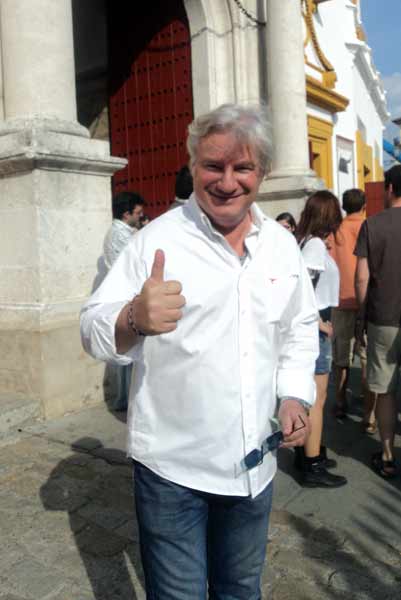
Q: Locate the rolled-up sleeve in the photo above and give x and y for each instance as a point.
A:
(99, 314)
(299, 346)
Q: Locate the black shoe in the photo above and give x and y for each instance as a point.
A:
(315, 474)
(329, 463)
(299, 458)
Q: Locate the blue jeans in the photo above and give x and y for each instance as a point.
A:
(190, 539)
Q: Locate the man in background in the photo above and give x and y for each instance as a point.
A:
(127, 212)
(378, 291)
(345, 317)
(183, 187)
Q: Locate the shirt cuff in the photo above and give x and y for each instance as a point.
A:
(101, 340)
(293, 383)
(304, 404)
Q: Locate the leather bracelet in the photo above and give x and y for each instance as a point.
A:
(131, 320)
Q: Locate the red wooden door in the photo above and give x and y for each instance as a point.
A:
(374, 197)
(150, 102)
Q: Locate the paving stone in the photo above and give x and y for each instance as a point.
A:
(112, 456)
(74, 592)
(108, 518)
(10, 597)
(87, 443)
(69, 532)
(32, 579)
(119, 498)
(129, 530)
(97, 541)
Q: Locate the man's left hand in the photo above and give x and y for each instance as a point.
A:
(292, 415)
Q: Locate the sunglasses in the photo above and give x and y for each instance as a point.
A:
(270, 444)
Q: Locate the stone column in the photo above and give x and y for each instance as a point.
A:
(290, 178)
(55, 206)
(38, 64)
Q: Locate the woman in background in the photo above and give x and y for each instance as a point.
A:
(320, 219)
(287, 220)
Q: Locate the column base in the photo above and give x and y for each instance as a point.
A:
(44, 367)
(287, 193)
(55, 211)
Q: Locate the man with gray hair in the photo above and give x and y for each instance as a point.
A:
(213, 304)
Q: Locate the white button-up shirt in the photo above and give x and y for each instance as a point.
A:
(116, 239)
(203, 395)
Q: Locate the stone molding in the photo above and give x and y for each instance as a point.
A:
(320, 95)
(38, 148)
(329, 76)
(370, 76)
(277, 186)
(46, 123)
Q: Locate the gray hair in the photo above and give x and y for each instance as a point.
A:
(250, 125)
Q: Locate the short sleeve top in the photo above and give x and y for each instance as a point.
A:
(380, 242)
(318, 260)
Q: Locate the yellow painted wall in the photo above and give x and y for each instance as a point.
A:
(320, 135)
(367, 168)
(379, 173)
(360, 151)
(368, 164)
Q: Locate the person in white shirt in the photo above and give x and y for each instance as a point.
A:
(213, 303)
(127, 211)
(320, 219)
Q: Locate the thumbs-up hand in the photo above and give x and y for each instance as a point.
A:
(158, 307)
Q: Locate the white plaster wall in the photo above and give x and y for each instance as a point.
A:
(346, 151)
(365, 110)
(335, 27)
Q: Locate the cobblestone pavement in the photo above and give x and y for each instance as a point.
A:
(68, 530)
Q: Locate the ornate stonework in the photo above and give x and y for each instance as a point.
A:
(324, 66)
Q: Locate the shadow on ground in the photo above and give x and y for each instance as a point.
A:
(94, 487)
(310, 561)
(343, 543)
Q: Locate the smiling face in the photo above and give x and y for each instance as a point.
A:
(226, 179)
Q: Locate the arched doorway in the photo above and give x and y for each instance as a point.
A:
(150, 96)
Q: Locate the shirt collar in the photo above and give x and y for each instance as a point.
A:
(257, 218)
(119, 223)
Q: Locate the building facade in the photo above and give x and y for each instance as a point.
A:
(346, 107)
(96, 96)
